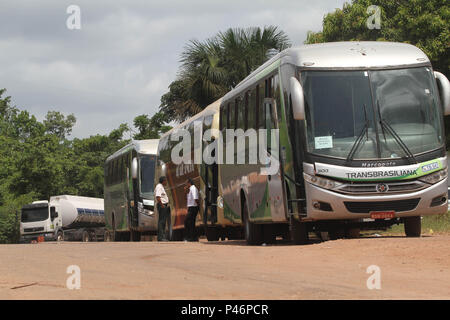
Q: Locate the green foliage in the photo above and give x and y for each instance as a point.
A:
(424, 24)
(38, 161)
(211, 68)
(151, 128)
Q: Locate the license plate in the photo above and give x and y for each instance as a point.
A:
(382, 214)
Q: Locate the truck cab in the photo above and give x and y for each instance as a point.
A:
(38, 219)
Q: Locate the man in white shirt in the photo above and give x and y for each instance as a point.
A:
(162, 204)
(193, 208)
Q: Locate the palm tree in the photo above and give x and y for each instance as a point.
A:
(211, 68)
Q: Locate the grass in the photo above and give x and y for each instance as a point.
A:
(430, 225)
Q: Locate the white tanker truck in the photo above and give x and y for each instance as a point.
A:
(63, 218)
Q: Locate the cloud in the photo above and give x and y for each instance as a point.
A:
(126, 54)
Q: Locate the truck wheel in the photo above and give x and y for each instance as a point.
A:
(299, 232)
(85, 237)
(253, 232)
(413, 226)
(59, 236)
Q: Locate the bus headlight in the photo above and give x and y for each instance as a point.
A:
(321, 182)
(434, 177)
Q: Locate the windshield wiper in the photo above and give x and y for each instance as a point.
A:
(387, 126)
(356, 144)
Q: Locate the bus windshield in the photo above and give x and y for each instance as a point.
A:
(34, 214)
(372, 114)
(147, 177)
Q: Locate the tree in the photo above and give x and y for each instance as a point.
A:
(151, 128)
(56, 123)
(211, 68)
(424, 24)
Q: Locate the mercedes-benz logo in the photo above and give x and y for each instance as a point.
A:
(382, 187)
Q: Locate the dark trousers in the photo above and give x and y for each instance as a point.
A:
(163, 219)
(189, 223)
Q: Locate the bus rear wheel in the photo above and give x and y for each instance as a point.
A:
(212, 233)
(253, 232)
(413, 226)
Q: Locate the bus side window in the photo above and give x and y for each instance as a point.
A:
(222, 117)
(251, 109)
(236, 113)
(261, 113)
(246, 110)
(240, 105)
(230, 115)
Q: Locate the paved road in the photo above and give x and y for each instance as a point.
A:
(411, 268)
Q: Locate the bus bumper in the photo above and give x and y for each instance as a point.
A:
(344, 206)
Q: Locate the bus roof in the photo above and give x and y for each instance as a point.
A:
(340, 55)
(209, 110)
(149, 146)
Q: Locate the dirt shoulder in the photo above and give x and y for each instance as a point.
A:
(410, 268)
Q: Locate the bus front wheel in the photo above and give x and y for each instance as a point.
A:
(413, 226)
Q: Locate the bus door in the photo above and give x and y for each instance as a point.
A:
(275, 180)
(211, 179)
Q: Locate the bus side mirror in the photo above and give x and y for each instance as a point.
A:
(445, 91)
(53, 213)
(297, 98)
(134, 168)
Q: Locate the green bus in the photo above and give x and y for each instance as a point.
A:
(128, 193)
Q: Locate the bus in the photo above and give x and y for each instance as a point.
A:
(128, 196)
(360, 140)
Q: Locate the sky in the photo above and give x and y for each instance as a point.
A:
(126, 53)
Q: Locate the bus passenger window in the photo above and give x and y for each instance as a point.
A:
(251, 109)
(236, 114)
(240, 103)
(261, 113)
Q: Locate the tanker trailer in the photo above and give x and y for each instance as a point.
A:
(64, 217)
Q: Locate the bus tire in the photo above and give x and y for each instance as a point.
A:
(413, 226)
(253, 232)
(212, 233)
(299, 232)
(353, 233)
(336, 233)
(268, 234)
(135, 236)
